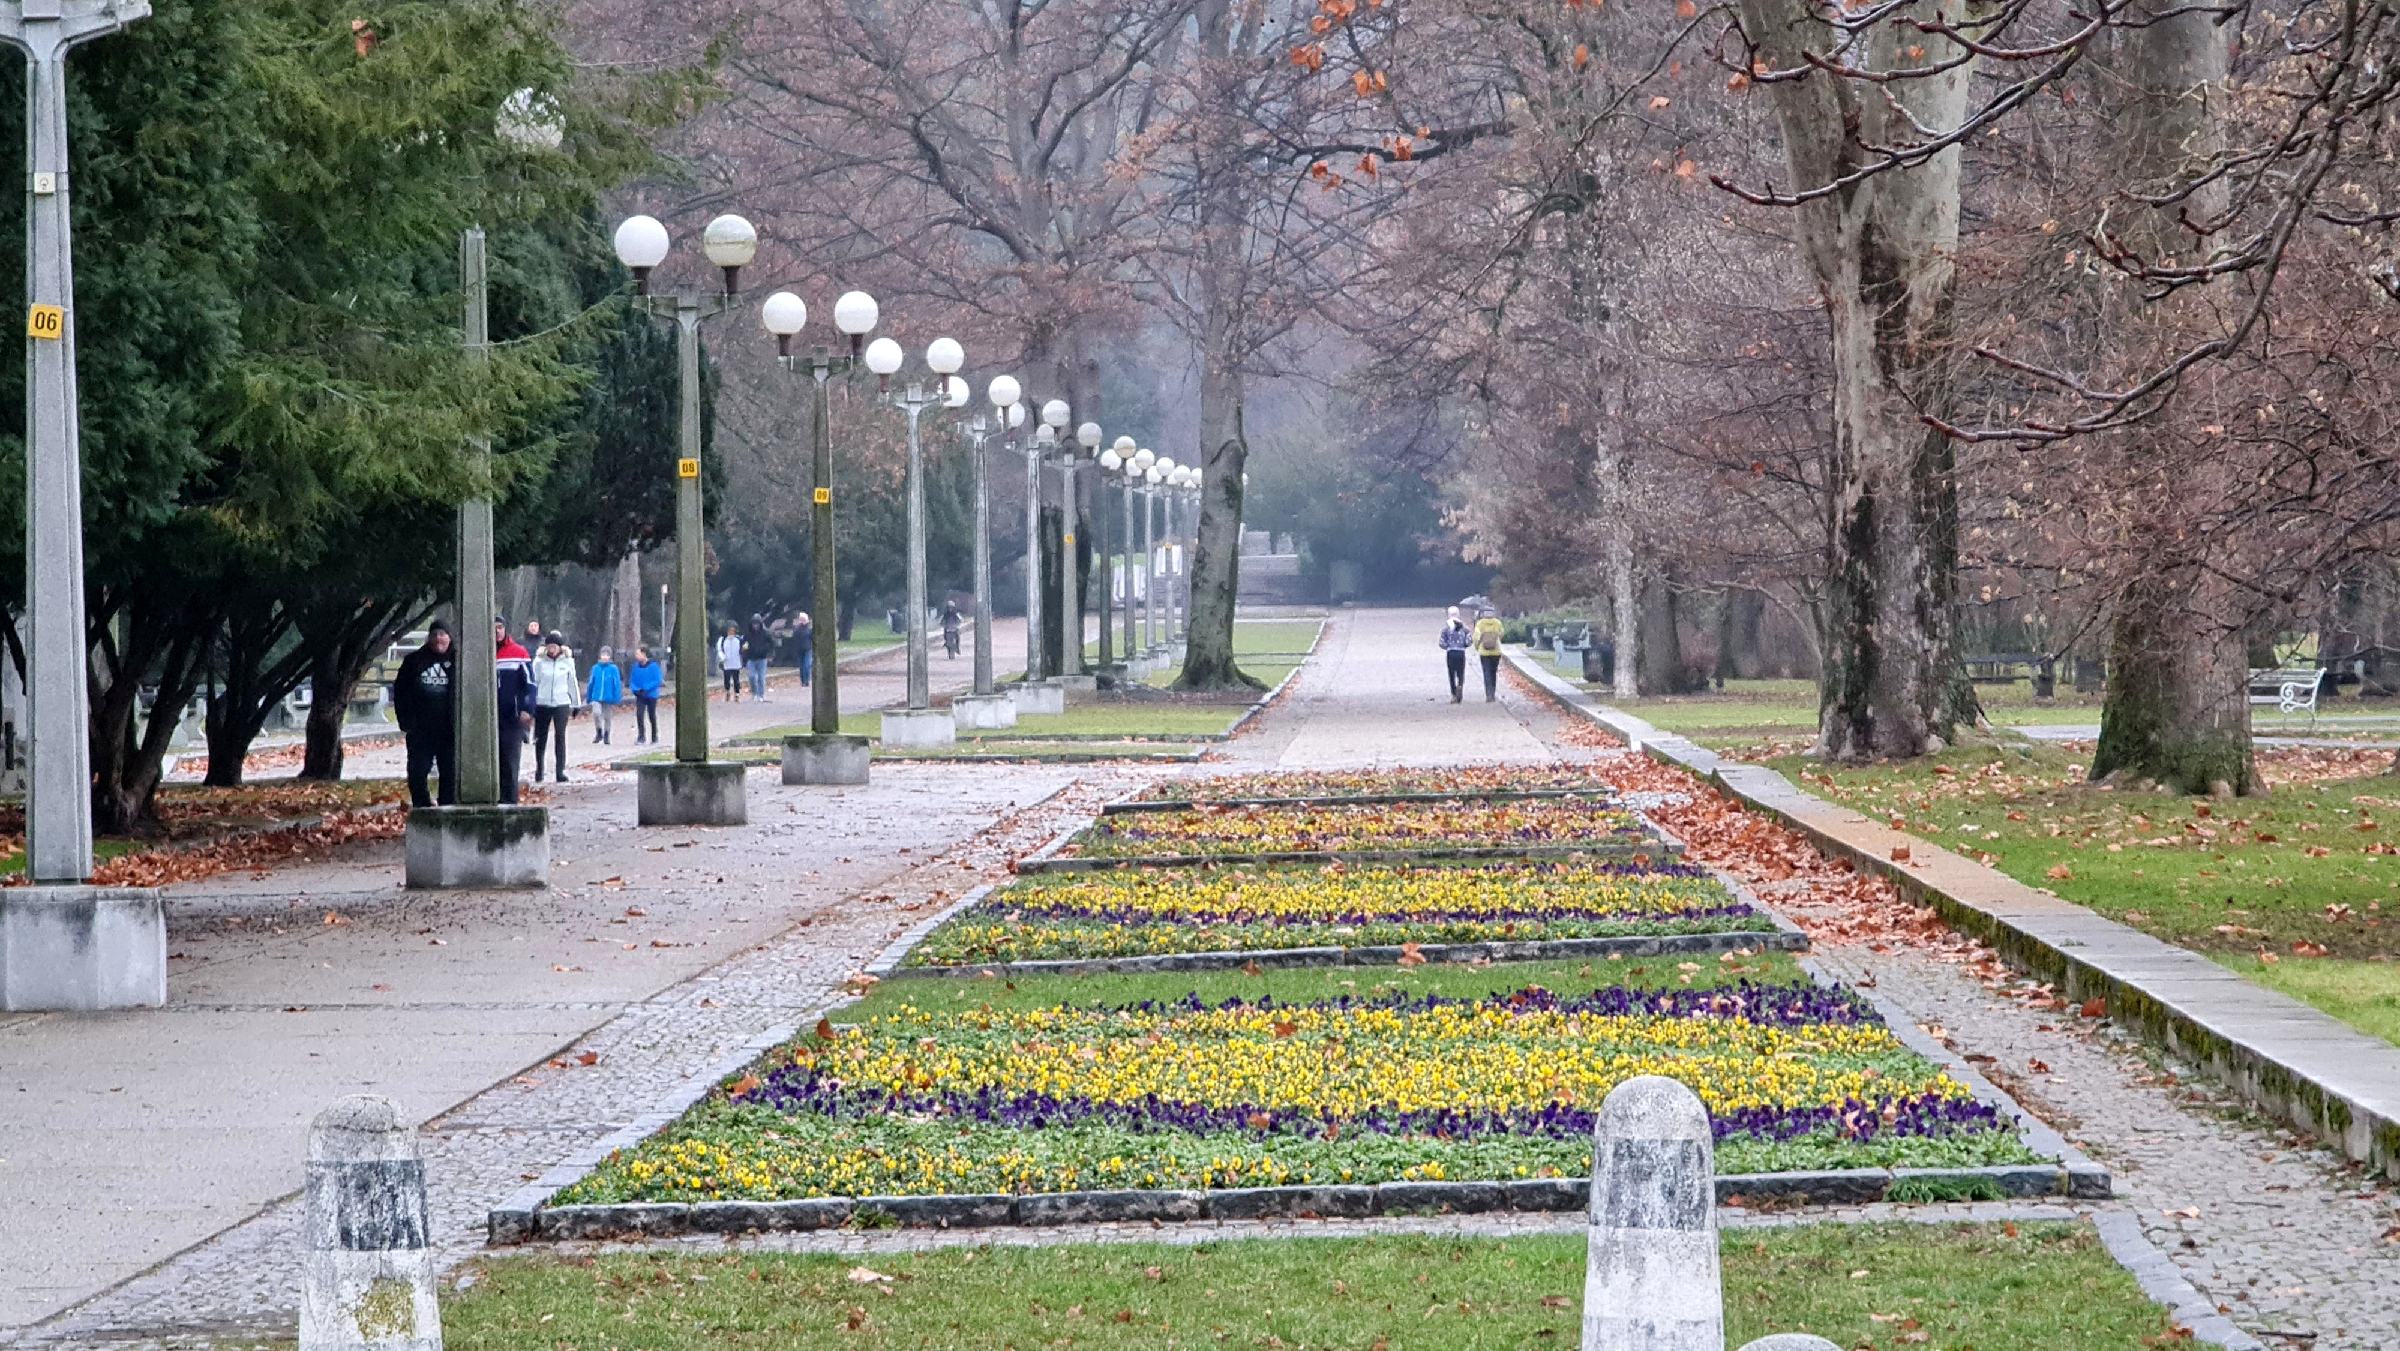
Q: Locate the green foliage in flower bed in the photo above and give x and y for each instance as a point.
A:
(1128, 913)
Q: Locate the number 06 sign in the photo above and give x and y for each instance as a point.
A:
(46, 322)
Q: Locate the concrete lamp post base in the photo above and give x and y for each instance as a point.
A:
(983, 712)
(918, 728)
(480, 848)
(1036, 697)
(79, 949)
(828, 759)
(692, 793)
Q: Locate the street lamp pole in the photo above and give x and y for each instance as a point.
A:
(1044, 437)
(1127, 471)
(82, 948)
(689, 792)
(58, 822)
(1070, 596)
(944, 357)
(1112, 461)
(825, 755)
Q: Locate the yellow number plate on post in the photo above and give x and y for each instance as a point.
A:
(47, 322)
(1070, 539)
(687, 469)
(824, 497)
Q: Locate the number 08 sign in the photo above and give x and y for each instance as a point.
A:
(46, 322)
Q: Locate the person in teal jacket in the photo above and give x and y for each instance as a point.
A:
(604, 691)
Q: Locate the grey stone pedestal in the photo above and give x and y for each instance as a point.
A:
(78, 948)
(1036, 697)
(917, 728)
(1079, 687)
(693, 793)
(478, 848)
(829, 759)
(982, 712)
(1138, 668)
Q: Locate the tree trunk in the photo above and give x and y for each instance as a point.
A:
(1882, 250)
(328, 711)
(1660, 662)
(1624, 583)
(624, 631)
(1214, 575)
(1740, 615)
(2177, 710)
(1053, 623)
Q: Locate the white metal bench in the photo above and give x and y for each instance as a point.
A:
(2291, 689)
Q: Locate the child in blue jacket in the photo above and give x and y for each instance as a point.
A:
(648, 679)
(604, 691)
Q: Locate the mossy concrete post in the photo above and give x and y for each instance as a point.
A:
(1651, 1280)
(367, 1283)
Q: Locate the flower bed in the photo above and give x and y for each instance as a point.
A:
(1145, 912)
(1465, 780)
(924, 1100)
(1236, 831)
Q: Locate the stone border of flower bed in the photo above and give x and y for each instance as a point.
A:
(2291, 1061)
(1128, 806)
(1781, 936)
(524, 1217)
(1267, 700)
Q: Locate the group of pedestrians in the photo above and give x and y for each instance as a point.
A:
(1484, 640)
(746, 651)
(537, 693)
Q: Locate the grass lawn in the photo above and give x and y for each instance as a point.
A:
(1131, 912)
(1229, 1080)
(1162, 720)
(2299, 889)
(1171, 752)
(2040, 1287)
(867, 635)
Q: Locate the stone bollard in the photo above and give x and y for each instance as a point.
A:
(1791, 1341)
(368, 1285)
(1651, 1280)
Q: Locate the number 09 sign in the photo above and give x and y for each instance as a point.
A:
(46, 322)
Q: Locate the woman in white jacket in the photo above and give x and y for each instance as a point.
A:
(557, 693)
(729, 660)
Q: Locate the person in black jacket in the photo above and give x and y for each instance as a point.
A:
(428, 715)
(515, 701)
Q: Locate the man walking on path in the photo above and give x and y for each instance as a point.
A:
(757, 645)
(649, 678)
(1487, 646)
(556, 692)
(428, 716)
(950, 618)
(603, 692)
(514, 695)
(1455, 640)
(806, 636)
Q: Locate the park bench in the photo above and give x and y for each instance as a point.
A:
(2000, 668)
(2291, 689)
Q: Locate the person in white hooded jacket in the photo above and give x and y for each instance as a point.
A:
(557, 693)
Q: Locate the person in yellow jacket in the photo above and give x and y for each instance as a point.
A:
(1487, 646)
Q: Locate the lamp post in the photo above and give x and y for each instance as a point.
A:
(63, 945)
(1127, 471)
(919, 724)
(1070, 595)
(1187, 502)
(825, 756)
(986, 708)
(690, 790)
(1150, 476)
(1112, 461)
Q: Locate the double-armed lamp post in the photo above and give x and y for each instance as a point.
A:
(987, 708)
(824, 756)
(690, 789)
(919, 724)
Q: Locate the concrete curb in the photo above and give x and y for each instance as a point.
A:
(1132, 806)
(2287, 1059)
(1533, 950)
(513, 1224)
(1047, 862)
(2163, 1282)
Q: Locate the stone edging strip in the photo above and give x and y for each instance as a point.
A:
(1129, 806)
(1265, 701)
(2121, 1233)
(2294, 1063)
(1861, 1186)
(1623, 945)
(1047, 862)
